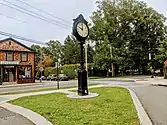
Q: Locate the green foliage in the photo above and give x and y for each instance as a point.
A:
(37, 49)
(114, 106)
(71, 70)
(162, 53)
(54, 49)
(131, 28)
(71, 51)
(49, 70)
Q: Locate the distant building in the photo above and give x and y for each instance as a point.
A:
(17, 62)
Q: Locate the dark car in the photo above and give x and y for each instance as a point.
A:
(63, 77)
(52, 77)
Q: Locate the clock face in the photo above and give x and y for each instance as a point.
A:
(82, 30)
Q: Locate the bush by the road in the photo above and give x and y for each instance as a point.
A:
(71, 70)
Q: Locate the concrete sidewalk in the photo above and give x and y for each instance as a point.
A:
(158, 81)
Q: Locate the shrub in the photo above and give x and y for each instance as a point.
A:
(71, 70)
(48, 71)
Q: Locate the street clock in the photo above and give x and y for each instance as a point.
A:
(80, 28)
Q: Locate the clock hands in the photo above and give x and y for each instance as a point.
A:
(81, 28)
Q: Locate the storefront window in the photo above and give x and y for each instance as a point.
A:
(25, 72)
(9, 56)
(24, 57)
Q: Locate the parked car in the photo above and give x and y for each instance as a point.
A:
(44, 78)
(158, 72)
(52, 77)
(63, 77)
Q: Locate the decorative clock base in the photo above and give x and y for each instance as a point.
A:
(82, 82)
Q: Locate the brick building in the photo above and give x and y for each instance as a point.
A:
(17, 62)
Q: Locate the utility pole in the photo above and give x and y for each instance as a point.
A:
(57, 67)
(41, 64)
(112, 63)
(86, 56)
(150, 59)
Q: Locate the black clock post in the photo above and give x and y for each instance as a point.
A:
(81, 32)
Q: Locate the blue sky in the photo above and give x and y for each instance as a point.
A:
(36, 29)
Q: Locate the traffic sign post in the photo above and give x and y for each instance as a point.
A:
(41, 69)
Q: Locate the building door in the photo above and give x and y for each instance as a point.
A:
(11, 77)
(9, 74)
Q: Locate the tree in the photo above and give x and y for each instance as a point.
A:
(48, 61)
(54, 50)
(37, 49)
(130, 28)
(90, 53)
(71, 51)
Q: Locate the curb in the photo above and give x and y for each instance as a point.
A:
(159, 85)
(118, 80)
(144, 118)
(32, 116)
(20, 85)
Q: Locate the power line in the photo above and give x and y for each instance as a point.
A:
(44, 12)
(38, 17)
(21, 38)
(35, 13)
(12, 18)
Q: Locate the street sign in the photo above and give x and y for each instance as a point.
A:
(41, 69)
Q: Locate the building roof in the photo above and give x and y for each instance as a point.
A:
(11, 39)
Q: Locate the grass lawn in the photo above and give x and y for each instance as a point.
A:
(114, 106)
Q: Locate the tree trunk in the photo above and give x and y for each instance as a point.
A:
(113, 69)
(139, 71)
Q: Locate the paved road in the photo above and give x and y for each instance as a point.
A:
(154, 100)
(52, 84)
(11, 118)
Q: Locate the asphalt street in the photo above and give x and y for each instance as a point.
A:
(53, 84)
(154, 101)
(10, 118)
(44, 85)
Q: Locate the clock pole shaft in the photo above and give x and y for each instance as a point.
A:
(82, 55)
(82, 75)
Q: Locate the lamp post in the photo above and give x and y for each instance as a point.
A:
(81, 32)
